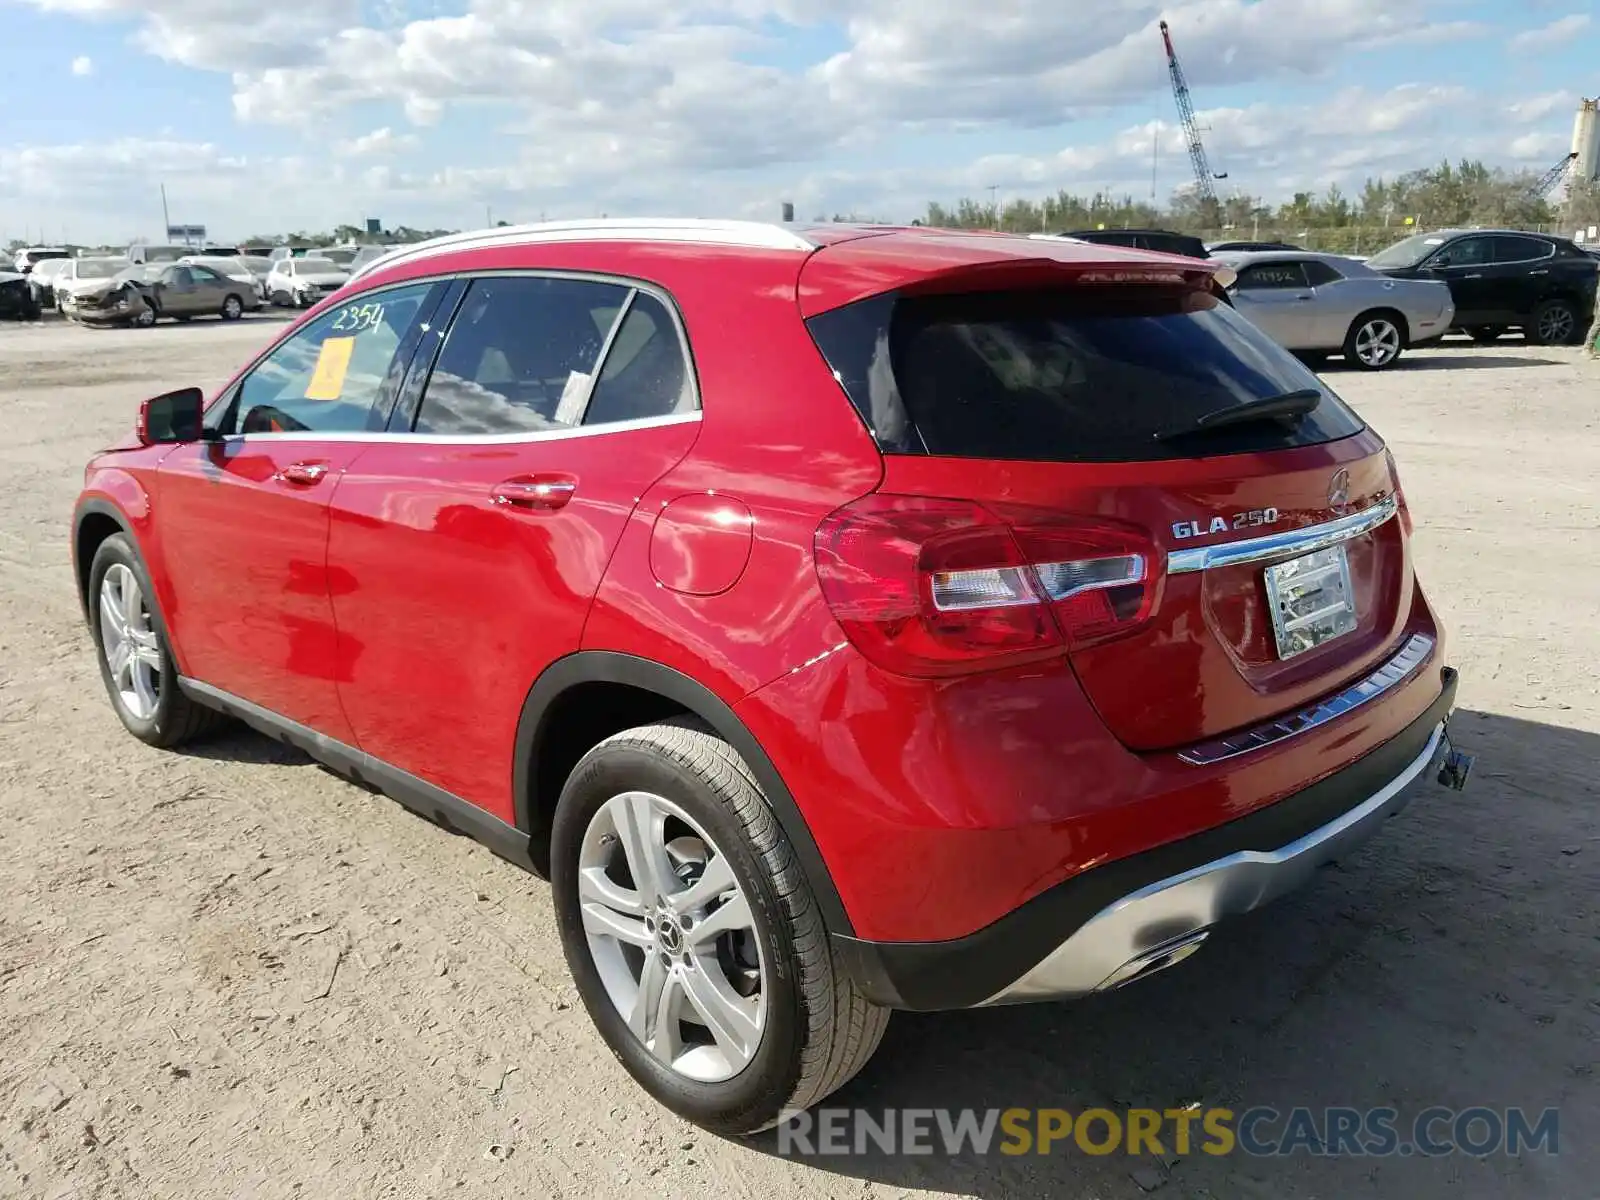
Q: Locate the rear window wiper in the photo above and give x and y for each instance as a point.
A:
(1290, 406)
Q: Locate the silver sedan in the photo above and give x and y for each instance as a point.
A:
(1329, 304)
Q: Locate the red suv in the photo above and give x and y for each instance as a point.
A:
(846, 619)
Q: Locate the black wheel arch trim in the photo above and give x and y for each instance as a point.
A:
(606, 666)
(94, 506)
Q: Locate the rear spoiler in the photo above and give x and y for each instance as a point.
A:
(932, 261)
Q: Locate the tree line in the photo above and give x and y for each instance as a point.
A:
(1465, 194)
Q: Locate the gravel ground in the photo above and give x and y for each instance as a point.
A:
(227, 973)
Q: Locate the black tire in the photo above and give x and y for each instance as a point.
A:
(819, 1030)
(1366, 327)
(232, 307)
(1485, 334)
(176, 718)
(1554, 323)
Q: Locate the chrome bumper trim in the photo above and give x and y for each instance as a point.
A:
(1397, 670)
(1290, 542)
(1163, 923)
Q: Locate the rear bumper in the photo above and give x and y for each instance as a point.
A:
(1110, 924)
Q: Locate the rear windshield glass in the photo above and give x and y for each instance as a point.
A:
(1116, 373)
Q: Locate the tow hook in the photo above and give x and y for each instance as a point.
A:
(1454, 765)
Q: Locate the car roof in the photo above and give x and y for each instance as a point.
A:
(1133, 229)
(1254, 256)
(842, 261)
(1450, 233)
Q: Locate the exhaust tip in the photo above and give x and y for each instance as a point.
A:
(1168, 954)
(1455, 768)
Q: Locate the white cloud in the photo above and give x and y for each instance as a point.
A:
(1546, 37)
(378, 142)
(1266, 149)
(83, 65)
(1537, 108)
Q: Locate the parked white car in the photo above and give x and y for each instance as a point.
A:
(236, 269)
(79, 276)
(301, 282)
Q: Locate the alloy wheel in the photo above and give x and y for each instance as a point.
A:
(672, 936)
(129, 642)
(232, 308)
(1556, 325)
(1378, 342)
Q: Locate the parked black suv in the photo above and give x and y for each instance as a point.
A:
(1502, 279)
(1163, 240)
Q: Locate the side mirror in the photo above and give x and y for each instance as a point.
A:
(172, 417)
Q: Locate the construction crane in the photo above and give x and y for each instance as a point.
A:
(1203, 175)
(1551, 179)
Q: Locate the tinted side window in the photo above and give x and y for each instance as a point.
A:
(644, 373)
(1319, 272)
(1465, 252)
(1521, 249)
(1265, 276)
(520, 356)
(329, 377)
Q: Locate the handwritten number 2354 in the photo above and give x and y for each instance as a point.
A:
(358, 317)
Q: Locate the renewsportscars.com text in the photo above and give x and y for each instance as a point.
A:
(1259, 1131)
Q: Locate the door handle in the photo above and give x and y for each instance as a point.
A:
(1302, 297)
(303, 473)
(1472, 277)
(1541, 272)
(543, 493)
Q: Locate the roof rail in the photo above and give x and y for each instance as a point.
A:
(754, 234)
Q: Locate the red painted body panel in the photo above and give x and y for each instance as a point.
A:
(700, 544)
(786, 445)
(912, 259)
(941, 805)
(1210, 639)
(401, 609)
(453, 604)
(123, 477)
(246, 558)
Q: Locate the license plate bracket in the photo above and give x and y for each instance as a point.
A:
(1310, 600)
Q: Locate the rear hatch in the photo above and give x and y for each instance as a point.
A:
(1145, 420)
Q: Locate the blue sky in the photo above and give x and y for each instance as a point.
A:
(312, 112)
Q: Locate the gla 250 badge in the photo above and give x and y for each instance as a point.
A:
(1253, 518)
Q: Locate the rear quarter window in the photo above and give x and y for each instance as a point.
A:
(1070, 375)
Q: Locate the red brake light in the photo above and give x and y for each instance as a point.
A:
(1399, 492)
(933, 587)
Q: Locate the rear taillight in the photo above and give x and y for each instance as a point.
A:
(932, 587)
(1399, 492)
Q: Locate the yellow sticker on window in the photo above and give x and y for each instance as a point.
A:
(333, 362)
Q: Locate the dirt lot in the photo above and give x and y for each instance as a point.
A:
(226, 973)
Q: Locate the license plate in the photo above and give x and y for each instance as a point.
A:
(1311, 600)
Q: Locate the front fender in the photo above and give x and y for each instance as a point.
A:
(115, 500)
